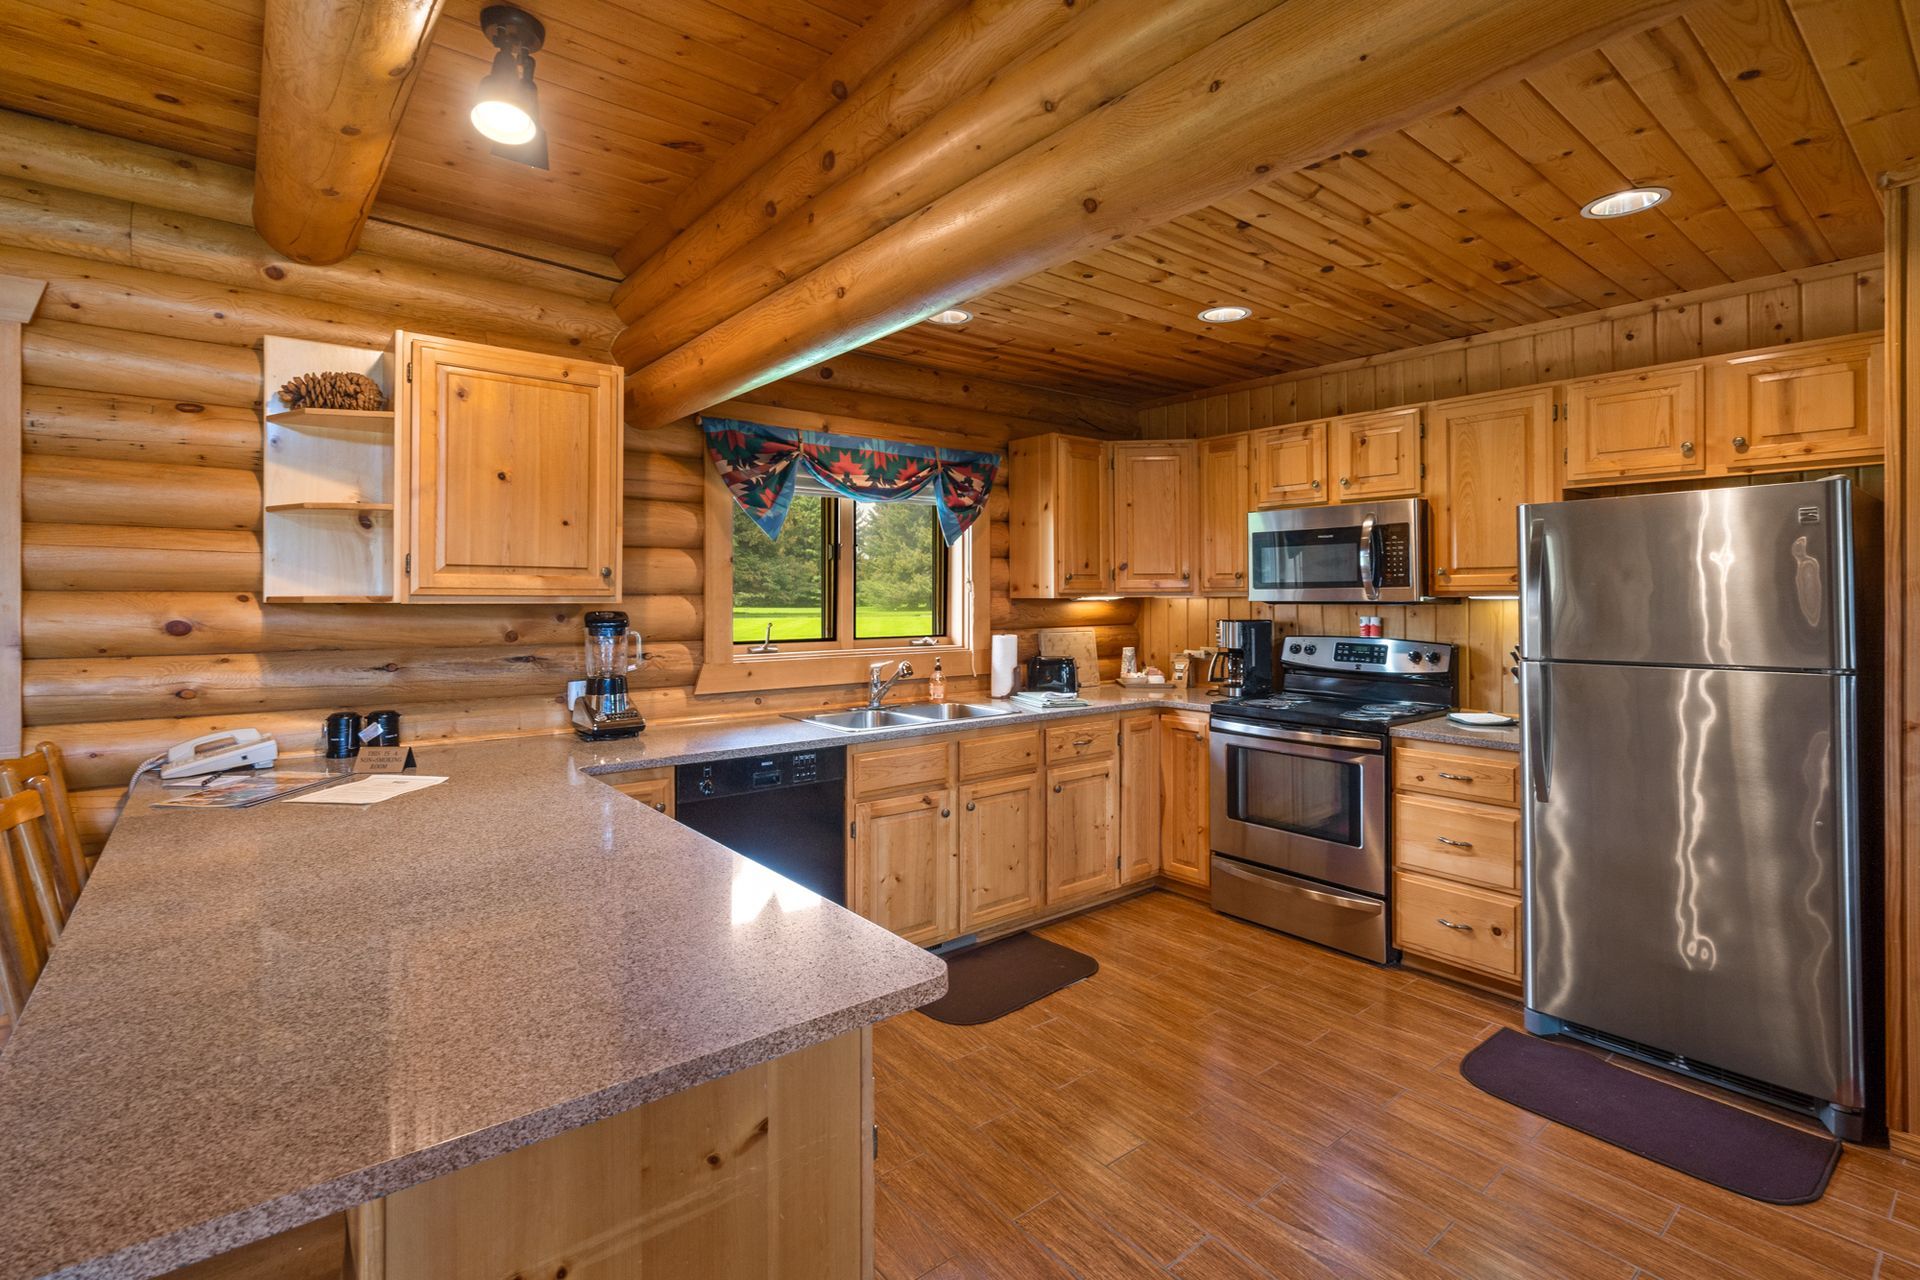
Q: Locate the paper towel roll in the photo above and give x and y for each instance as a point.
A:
(1006, 655)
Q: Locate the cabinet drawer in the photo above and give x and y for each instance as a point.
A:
(1450, 922)
(919, 764)
(1088, 739)
(1474, 842)
(1464, 773)
(1012, 751)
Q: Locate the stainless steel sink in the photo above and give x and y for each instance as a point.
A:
(948, 711)
(862, 720)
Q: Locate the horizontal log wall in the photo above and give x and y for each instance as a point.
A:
(141, 625)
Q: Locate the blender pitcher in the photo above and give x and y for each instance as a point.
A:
(601, 709)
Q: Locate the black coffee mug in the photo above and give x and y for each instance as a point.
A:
(388, 722)
(343, 735)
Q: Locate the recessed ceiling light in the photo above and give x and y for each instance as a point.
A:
(1622, 203)
(1225, 315)
(953, 315)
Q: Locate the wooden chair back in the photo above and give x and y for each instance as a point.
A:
(45, 771)
(30, 913)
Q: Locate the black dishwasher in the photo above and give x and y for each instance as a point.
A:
(785, 811)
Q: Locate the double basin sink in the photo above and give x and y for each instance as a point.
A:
(904, 716)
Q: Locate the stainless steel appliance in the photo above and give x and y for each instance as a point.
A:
(1352, 553)
(1242, 662)
(600, 709)
(1699, 710)
(786, 811)
(1300, 777)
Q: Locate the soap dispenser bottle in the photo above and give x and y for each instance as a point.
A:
(937, 684)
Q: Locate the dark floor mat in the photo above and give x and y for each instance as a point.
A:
(1696, 1135)
(991, 981)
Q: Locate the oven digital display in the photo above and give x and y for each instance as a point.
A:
(1374, 653)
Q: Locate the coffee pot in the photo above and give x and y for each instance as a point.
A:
(599, 703)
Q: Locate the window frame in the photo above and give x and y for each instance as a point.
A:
(727, 666)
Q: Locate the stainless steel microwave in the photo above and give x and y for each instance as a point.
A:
(1352, 553)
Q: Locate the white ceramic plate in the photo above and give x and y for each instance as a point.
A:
(1480, 719)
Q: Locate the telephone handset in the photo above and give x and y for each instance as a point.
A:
(217, 752)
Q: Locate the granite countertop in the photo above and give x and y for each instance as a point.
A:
(1441, 729)
(259, 1017)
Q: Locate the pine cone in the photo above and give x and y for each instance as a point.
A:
(333, 391)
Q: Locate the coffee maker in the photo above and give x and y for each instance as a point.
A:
(599, 702)
(1242, 665)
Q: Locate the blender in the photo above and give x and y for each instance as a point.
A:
(599, 703)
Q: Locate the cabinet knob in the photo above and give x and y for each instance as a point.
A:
(1237, 575)
(660, 806)
(969, 806)
(946, 813)
(606, 571)
(1122, 566)
(1347, 484)
(1740, 442)
(1056, 788)
(1441, 573)
(1316, 484)
(1686, 448)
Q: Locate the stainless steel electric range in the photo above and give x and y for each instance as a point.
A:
(1300, 786)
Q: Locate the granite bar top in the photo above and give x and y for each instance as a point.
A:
(259, 1017)
(1441, 729)
(696, 742)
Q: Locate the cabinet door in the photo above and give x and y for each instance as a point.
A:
(1082, 509)
(1290, 465)
(1186, 853)
(1153, 517)
(1635, 426)
(653, 789)
(1083, 836)
(1002, 844)
(1804, 407)
(905, 866)
(1488, 455)
(514, 484)
(1376, 455)
(1224, 492)
(1139, 796)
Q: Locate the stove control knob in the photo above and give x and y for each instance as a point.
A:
(1414, 658)
(1433, 656)
(1312, 649)
(1293, 649)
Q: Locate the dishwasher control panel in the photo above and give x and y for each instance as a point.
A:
(743, 775)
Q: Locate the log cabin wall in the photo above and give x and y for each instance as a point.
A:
(141, 625)
(1820, 302)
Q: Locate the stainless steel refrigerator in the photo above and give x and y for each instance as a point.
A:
(1699, 703)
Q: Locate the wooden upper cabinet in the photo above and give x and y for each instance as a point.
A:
(513, 473)
(1817, 404)
(1487, 455)
(1376, 455)
(1290, 465)
(1642, 425)
(1153, 517)
(1223, 462)
(1062, 537)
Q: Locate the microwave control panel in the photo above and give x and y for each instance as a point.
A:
(1396, 555)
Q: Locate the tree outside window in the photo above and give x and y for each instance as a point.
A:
(876, 569)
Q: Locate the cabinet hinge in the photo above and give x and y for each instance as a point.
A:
(1556, 411)
(1423, 471)
(409, 371)
(409, 564)
(852, 829)
(1563, 457)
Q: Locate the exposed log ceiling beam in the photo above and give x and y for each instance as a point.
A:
(335, 77)
(1301, 81)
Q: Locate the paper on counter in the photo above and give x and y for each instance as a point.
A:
(371, 789)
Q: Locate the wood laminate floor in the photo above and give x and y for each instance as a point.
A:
(1224, 1103)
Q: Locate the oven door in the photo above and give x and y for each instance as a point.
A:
(1306, 801)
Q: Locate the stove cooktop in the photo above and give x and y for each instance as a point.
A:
(1328, 713)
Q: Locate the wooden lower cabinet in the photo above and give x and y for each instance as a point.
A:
(651, 787)
(1002, 830)
(1083, 830)
(1186, 852)
(1456, 860)
(765, 1172)
(1139, 796)
(906, 864)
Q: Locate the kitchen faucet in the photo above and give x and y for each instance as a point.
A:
(878, 688)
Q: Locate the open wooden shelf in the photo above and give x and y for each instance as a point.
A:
(329, 506)
(349, 419)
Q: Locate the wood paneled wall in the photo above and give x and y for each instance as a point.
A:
(141, 624)
(1820, 302)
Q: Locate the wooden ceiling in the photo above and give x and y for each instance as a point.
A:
(638, 95)
(1768, 120)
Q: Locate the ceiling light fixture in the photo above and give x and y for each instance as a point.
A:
(1622, 203)
(1225, 315)
(506, 110)
(953, 315)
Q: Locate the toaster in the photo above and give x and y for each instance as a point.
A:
(1054, 675)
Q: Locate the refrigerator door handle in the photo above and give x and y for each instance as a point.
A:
(1536, 699)
(1534, 607)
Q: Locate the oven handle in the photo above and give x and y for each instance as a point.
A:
(1369, 560)
(1369, 906)
(1308, 737)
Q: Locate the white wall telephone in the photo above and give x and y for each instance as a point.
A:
(214, 752)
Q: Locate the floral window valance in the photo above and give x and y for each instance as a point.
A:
(761, 464)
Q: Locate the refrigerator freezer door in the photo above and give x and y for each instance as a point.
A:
(1691, 856)
(1746, 577)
